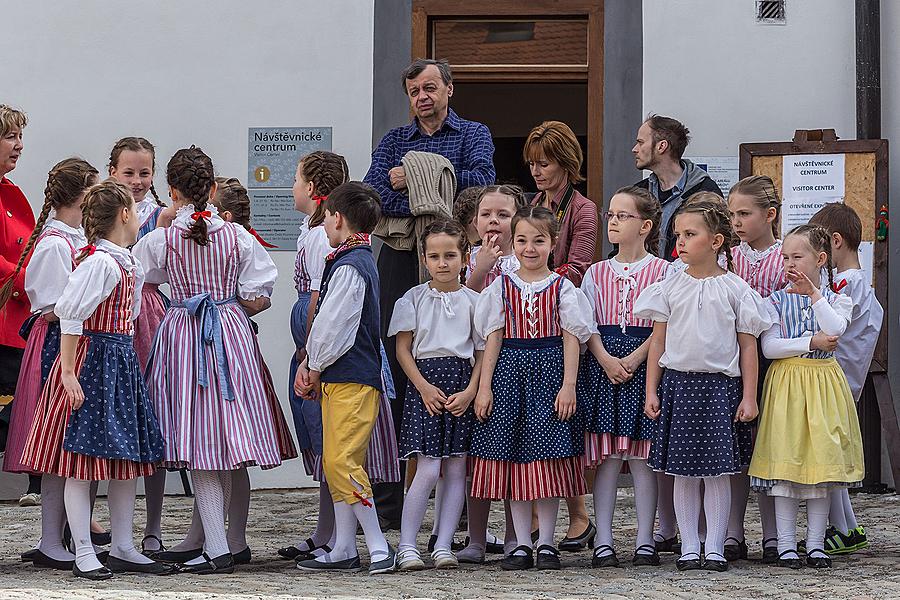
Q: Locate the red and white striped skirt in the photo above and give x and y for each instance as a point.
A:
(549, 478)
(599, 446)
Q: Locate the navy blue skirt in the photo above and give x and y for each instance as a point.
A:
(697, 435)
(307, 414)
(442, 435)
(523, 426)
(116, 420)
(617, 409)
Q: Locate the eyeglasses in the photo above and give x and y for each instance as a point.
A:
(619, 216)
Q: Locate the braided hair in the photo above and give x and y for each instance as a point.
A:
(190, 171)
(135, 144)
(712, 208)
(66, 183)
(103, 203)
(325, 170)
(820, 240)
(231, 196)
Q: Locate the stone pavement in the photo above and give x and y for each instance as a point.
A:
(280, 517)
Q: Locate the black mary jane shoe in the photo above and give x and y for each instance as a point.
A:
(735, 551)
(28, 555)
(242, 557)
(518, 562)
(295, 553)
(151, 554)
(118, 565)
(818, 562)
(671, 545)
(602, 562)
(689, 564)
(100, 574)
(210, 566)
(547, 559)
(715, 564)
(578, 543)
(177, 556)
(104, 538)
(770, 551)
(645, 560)
(790, 563)
(454, 545)
(43, 561)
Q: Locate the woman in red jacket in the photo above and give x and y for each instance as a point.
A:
(16, 224)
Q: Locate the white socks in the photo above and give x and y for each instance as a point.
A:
(121, 516)
(687, 509)
(547, 511)
(717, 505)
(428, 471)
(368, 520)
(521, 520)
(716, 501)
(740, 493)
(53, 518)
(77, 497)
(211, 496)
(645, 482)
(665, 507)
(605, 488)
(786, 510)
(451, 500)
(345, 534)
(841, 515)
(816, 523)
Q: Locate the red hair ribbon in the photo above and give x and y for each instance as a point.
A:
(563, 270)
(363, 499)
(201, 214)
(319, 199)
(674, 252)
(88, 250)
(261, 241)
(837, 287)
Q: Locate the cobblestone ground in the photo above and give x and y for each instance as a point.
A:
(281, 517)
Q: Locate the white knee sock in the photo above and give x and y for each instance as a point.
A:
(766, 505)
(605, 488)
(452, 497)
(368, 519)
(686, 501)
(740, 493)
(121, 517)
(210, 498)
(849, 515)
(645, 482)
(716, 504)
(520, 511)
(547, 511)
(665, 508)
(53, 517)
(816, 523)
(238, 510)
(836, 515)
(77, 497)
(344, 545)
(786, 522)
(428, 470)
(154, 494)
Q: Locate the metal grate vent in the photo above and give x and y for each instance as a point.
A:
(770, 12)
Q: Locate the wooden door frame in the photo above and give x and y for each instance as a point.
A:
(424, 10)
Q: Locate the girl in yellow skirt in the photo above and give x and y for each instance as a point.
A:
(809, 438)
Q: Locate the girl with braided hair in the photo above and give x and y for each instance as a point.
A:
(701, 377)
(809, 443)
(94, 421)
(56, 236)
(205, 374)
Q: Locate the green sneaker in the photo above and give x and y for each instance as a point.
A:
(859, 536)
(839, 543)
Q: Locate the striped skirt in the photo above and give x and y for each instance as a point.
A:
(153, 309)
(551, 478)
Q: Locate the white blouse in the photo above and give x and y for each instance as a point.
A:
(145, 207)
(856, 347)
(334, 329)
(506, 264)
(575, 314)
(703, 319)
(443, 323)
(312, 249)
(51, 265)
(257, 272)
(92, 283)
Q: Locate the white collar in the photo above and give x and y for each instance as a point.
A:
(629, 269)
(755, 256)
(184, 220)
(534, 286)
(77, 232)
(121, 255)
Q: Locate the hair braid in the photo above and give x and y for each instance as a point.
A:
(190, 171)
(102, 205)
(325, 170)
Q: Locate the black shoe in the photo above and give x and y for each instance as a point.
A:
(242, 557)
(689, 564)
(790, 563)
(349, 565)
(548, 558)
(103, 538)
(210, 566)
(578, 543)
(118, 565)
(295, 553)
(385, 565)
(100, 574)
(45, 562)
(177, 556)
(818, 562)
(518, 562)
(489, 547)
(151, 554)
(670, 545)
(736, 551)
(454, 545)
(602, 562)
(715, 564)
(103, 556)
(770, 552)
(645, 560)
(29, 555)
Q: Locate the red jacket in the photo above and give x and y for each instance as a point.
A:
(574, 250)
(16, 225)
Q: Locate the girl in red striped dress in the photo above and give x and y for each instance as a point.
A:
(613, 374)
(529, 441)
(205, 375)
(94, 421)
(755, 210)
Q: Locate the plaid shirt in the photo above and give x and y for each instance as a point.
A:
(466, 144)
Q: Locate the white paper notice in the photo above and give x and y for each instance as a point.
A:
(724, 170)
(813, 176)
(798, 211)
(867, 260)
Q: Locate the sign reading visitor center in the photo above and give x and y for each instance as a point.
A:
(272, 157)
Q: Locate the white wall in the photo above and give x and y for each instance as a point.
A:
(182, 73)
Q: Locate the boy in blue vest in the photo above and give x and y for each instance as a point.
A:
(343, 368)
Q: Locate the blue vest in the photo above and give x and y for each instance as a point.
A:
(362, 363)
